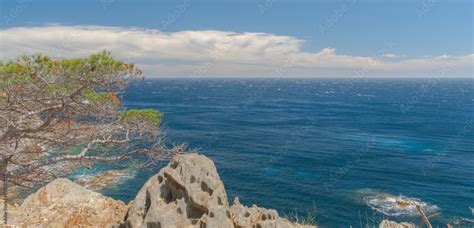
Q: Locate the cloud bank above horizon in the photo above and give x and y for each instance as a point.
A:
(212, 53)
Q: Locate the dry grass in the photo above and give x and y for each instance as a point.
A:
(308, 218)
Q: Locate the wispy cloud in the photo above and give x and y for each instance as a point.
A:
(390, 55)
(231, 53)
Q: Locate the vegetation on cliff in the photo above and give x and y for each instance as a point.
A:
(58, 115)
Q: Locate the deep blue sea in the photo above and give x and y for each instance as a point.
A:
(351, 150)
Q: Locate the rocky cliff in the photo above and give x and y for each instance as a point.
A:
(188, 192)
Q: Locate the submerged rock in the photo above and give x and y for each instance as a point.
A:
(398, 205)
(189, 193)
(104, 179)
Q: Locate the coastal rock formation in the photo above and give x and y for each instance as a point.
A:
(189, 193)
(186, 192)
(63, 203)
(254, 216)
(392, 224)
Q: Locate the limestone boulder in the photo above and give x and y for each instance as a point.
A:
(187, 192)
(63, 203)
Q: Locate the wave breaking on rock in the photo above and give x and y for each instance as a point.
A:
(398, 205)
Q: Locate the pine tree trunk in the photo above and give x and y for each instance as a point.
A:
(3, 171)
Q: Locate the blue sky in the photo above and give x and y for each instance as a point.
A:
(418, 29)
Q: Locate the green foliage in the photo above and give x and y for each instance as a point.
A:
(98, 98)
(151, 115)
(90, 76)
(27, 68)
(97, 79)
(102, 59)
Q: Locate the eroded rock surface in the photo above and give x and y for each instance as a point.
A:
(392, 224)
(254, 216)
(63, 203)
(189, 193)
(186, 192)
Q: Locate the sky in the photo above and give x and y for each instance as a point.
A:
(259, 38)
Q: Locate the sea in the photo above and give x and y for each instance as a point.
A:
(349, 151)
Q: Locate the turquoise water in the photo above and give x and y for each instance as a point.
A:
(330, 146)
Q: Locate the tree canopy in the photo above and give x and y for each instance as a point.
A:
(48, 107)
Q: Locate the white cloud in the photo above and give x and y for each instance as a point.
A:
(390, 55)
(220, 53)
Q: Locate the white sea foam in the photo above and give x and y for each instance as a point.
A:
(398, 205)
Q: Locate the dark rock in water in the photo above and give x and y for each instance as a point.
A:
(105, 179)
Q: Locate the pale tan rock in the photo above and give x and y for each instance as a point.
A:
(248, 217)
(63, 203)
(14, 214)
(187, 192)
(392, 224)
